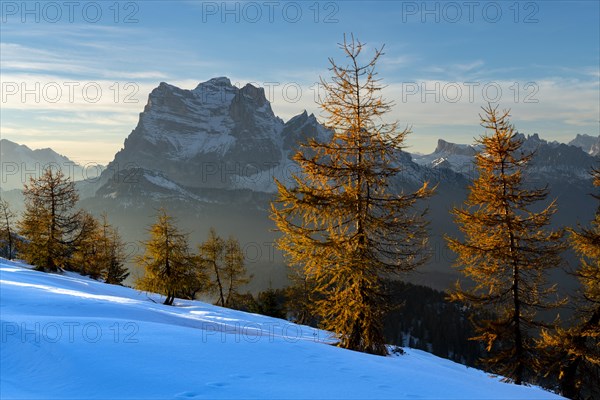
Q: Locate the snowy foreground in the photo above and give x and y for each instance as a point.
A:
(65, 336)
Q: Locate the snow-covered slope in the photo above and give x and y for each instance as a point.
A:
(65, 336)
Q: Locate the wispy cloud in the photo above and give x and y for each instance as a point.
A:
(19, 58)
(469, 66)
(395, 62)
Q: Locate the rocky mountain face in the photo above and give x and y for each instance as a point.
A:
(456, 157)
(587, 143)
(556, 162)
(220, 137)
(214, 136)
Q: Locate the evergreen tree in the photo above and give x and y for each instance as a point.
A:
(50, 224)
(270, 303)
(576, 350)
(298, 297)
(506, 250)
(113, 254)
(7, 217)
(340, 221)
(169, 266)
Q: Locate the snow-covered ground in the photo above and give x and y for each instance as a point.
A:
(66, 336)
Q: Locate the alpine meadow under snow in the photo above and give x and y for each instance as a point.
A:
(122, 343)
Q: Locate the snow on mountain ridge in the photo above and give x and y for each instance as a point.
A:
(551, 161)
(457, 157)
(215, 136)
(216, 126)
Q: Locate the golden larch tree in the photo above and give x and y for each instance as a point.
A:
(234, 270)
(340, 220)
(575, 350)
(100, 251)
(210, 254)
(168, 264)
(50, 222)
(87, 258)
(506, 251)
(224, 260)
(7, 234)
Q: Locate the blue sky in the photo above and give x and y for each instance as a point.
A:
(76, 75)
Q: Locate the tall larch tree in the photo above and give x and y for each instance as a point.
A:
(223, 260)
(50, 222)
(506, 251)
(87, 257)
(169, 266)
(575, 350)
(234, 270)
(340, 220)
(7, 233)
(211, 258)
(100, 251)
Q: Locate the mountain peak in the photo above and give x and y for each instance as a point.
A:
(589, 144)
(216, 125)
(298, 119)
(254, 94)
(218, 82)
(449, 148)
(165, 85)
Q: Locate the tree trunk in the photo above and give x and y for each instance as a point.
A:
(568, 383)
(10, 243)
(170, 298)
(219, 284)
(230, 290)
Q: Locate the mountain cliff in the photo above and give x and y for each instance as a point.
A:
(587, 143)
(214, 136)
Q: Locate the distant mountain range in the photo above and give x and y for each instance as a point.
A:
(19, 163)
(553, 161)
(209, 155)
